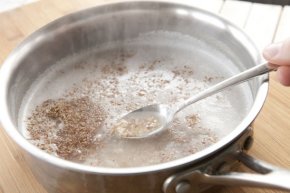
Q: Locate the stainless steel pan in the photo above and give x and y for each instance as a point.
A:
(118, 22)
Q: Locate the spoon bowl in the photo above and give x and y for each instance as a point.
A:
(150, 119)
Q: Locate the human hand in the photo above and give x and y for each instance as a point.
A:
(279, 54)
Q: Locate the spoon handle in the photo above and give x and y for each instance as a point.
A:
(236, 79)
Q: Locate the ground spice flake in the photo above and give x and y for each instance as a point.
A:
(67, 127)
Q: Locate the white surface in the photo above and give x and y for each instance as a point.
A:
(283, 30)
(209, 5)
(236, 12)
(262, 23)
(6, 5)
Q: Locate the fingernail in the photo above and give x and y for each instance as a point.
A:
(272, 50)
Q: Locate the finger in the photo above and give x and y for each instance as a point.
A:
(283, 75)
(278, 53)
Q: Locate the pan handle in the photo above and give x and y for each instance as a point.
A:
(266, 176)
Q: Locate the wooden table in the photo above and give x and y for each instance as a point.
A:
(264, 23)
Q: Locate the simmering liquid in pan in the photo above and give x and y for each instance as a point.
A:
(72, 107)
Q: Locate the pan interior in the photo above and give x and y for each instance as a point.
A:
(118, 77)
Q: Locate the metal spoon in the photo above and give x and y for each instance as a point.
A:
(162, 114)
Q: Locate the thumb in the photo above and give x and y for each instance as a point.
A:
(278, 53)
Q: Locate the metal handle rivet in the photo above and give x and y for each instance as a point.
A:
(183, 187)
(248, 143)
